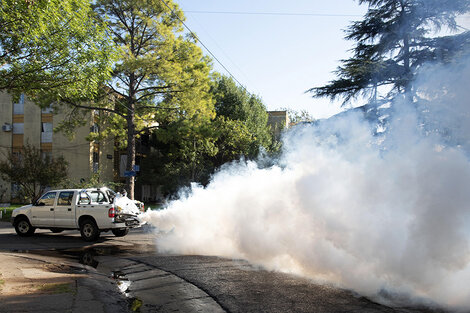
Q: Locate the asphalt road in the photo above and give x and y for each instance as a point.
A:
(174, 283)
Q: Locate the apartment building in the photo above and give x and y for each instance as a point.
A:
(279, 121)
(23, 122)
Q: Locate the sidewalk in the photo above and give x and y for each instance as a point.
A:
(32, 283)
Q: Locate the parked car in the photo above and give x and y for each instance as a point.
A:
(91, 211)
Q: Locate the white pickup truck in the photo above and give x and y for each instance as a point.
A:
(92, 211)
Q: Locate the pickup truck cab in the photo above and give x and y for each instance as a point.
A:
(91, 211)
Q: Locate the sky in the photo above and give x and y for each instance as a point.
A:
(277, 57)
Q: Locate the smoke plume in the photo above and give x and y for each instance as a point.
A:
(379, 213)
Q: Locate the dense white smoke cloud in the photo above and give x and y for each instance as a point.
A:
(367, 212)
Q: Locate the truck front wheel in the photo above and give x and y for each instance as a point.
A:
(89, 230)
(23, 227)
(120, 232)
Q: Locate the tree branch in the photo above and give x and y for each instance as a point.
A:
(155, 107)
(156, 93)
(74, 104)
(143, 130)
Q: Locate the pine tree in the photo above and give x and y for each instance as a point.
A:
(160, 76)
(393, 41)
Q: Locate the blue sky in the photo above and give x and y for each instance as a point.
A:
(277, 57)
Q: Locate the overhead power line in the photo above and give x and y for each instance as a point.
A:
(274, 13)
(205, 47)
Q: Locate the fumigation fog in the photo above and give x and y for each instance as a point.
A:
(381, 209)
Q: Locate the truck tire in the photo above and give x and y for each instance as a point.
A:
(23, 227)
(120, 232)
(89, 230)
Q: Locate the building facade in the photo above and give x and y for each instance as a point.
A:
(22, 122)
(278, 121)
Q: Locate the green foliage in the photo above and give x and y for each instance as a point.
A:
(395, 38)
(160, 77)
(160, 74)
(93, 182)
(6, 212)
(52, 46)
(33, 172)
(234, 103)
(191, 149)
(136, 305)
(232, 139)
(184, 152)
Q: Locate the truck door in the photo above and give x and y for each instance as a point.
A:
(65, 210)
(100, 204)
(42, 212)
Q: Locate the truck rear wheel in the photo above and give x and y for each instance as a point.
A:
(89, 230)
(120, 232)
(23, 227)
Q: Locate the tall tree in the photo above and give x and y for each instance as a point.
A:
(184, 149)
(190, 152)
(53, 45)
(236, 104)
(392, 42)
(160, 75)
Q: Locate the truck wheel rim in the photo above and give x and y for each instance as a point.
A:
(23, 227)
(88, 230)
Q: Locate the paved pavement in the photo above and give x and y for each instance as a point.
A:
(35, 278)
(33, 283)
(61, 273)
(212, 284)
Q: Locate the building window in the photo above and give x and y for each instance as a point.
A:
(47, 110)
(122, 165)
(46, 154)
(46, 132)
(15, 190)
(18, 128)
(17, 156)
(94, 128)
(96, 162)
(18, 108)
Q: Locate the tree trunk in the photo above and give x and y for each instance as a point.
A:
(406, 52)
(130, 118)
(130, 181)
(406, 62)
